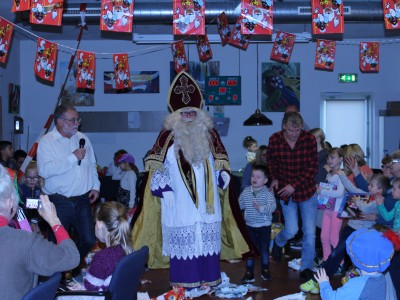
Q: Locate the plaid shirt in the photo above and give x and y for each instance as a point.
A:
(296, 166)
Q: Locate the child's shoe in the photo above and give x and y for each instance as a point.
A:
(265, 275)
(310, 287)
(248, 277)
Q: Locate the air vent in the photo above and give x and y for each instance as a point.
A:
(306, 10)
(72, 12)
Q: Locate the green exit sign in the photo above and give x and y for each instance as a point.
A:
(347, 77)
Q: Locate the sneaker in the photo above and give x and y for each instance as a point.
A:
(310, 287)
(276, 252)
(296, 245)
(265, 275)
(248, 277)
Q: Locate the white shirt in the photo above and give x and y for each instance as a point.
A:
(128, 182)
(59, 166)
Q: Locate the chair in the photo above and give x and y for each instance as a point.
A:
(125, 280)
(46, 290)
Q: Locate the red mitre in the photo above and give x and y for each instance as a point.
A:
(184, 93)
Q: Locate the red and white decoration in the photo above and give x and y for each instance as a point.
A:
(6, 31)
(325, 55)
(46, 12)
(179, 55)
(237, 39)
(20, 5)
(224, 30)
(204, 48)
(46, 60)
(86, 70)
(121, 71)
(327, 17)
(283, 47)
(257, 17)
(369, 57)
(391, 13)
(116, 15)
(189, 17)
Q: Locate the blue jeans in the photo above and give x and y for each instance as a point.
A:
(308, 211)
(76, 213)
(260, 237)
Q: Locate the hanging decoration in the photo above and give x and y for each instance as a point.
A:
(224, 30)
(237, 39)
(46, 60)
(20, 5)
(116, 15)
(257, 17)
(121, 71)
(204, 48)
(6, 31)
(86, 70)
(369, 57)
(328, 17)
(283, 47)
(325, 55)
(391, 11)
(189, 17)
(179, 55)
(45, 12)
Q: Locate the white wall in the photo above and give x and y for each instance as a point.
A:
(38, 100)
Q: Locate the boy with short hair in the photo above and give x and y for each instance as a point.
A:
(6, 154)
(258, 204)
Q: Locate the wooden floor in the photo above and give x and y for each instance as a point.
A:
(284, 280)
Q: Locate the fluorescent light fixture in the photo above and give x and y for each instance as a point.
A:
(303, 37)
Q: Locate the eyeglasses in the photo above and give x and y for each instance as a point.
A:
(191, 113)
(32, 178)
(397, 160)
(73, 120)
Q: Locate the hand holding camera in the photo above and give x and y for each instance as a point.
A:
(47, 211)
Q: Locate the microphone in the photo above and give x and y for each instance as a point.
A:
(81, 145)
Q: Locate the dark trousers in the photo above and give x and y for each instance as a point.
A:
(337, 255)
(394, 270)
(260, 237)
(76, 212)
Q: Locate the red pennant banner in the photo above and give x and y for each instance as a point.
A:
(283, 47)
(237, 39)
(20, 5)
(391, 12)
(179, 55)
(204, 48)
(117, 15)
(86, 70)
(121, 71)
(325, 55)
(257, 17)
(6, 30)
(224, 30)
(46, 12)
(328, 17)
(46, 60)
(189, 17)
(369, 57)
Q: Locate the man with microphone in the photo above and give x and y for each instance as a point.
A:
(67, 163)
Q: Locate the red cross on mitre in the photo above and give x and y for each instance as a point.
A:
(184, 92)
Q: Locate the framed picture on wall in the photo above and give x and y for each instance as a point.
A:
(70, 94)
(280, 85)
(14, 92)
(143, 82)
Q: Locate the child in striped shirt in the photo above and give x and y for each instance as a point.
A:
(258, 204)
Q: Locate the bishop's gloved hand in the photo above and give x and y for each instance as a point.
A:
(223, 180)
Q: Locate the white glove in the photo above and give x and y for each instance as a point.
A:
(226, 178)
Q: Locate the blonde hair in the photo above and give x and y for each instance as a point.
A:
(354, 150)
(33, 166)
(114, 216)
(319, 133)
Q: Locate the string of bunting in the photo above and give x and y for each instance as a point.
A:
(256, 18)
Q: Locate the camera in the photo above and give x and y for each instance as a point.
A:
(32, 203)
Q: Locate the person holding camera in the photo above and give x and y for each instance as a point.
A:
(23, 254)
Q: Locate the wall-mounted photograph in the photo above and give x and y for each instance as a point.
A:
(14, 92)
(280, 86)
(143, 82)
